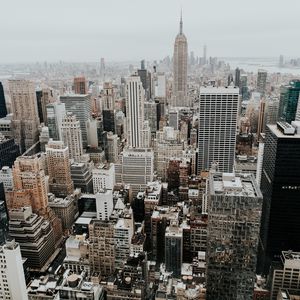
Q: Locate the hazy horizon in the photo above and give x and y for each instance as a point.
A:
(118, 30)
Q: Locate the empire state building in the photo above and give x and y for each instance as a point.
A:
(180, 59)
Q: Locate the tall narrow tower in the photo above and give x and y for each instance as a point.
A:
(180, 59)
(135, 94)
(25, 113)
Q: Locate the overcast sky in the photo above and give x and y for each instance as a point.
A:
(85, 30)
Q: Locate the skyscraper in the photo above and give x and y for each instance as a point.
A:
(12, 279)
(55, 115)
(80, 86)
(60, 182)
(80, 106)
(71, 136)
(9, 151)
(237, 77)
(145, 79)
(180, 60)
(261, 81)
(25, 113)
(3, 110)
(134, 111)
(234, 213)
(289, 96)
(280, 188)
(44, 96)
(217, 127)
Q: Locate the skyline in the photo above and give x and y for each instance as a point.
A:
(53, 31)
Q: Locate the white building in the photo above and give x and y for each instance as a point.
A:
(12, 280)
(217, 127)
(71, 136)
(135, 96)
(104, 204)
(135, 167)
(6, 178)
(103, 177)
(286, 275)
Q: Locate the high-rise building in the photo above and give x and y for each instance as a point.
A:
(104, 204)
(261, 81)
(145, 79)
(80, 106)
(103, 177)
(135, 167)
(12, 279)
(237, 77)
(81, 174)
(173, 249)
(3, 109)
(174, 119)
(80, 85)
(102, 247)
(289, 96)
(71, 136)
(180, 60)
(112, 147)
(9, 151)
(3, 219)
(44, 97)
(234, 212)
(286, 273)
(30, 184)
(150, 112)
(55, 114)
(58, 163)
(35, 236)
(134, 111)
(280, 187)
(25, 113)
(217, 127)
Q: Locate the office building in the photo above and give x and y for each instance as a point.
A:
(174, 119)
(6, 177)
(160, 90)
(30, 184)
(103, 177)
(35, 236)
(234, 212)
(261, 81)
(173, 249)
(3, 109)
(81, 175)
(289, 96)
(104, 204)
(102, 247)
(135, 95)
(3, 219)
(112, 150)
(217, 127)
(237, 77)
(44, 97)
(6, 126)
(58, 163)
(71, 136)
(151, 113)
(80, 85)
(55, 114)
(285, 273)
(180, 59)
(280, 188)
(25, 113)
(9, 151)
(123, 233)
(80, 106)
(12, 279)
(135, 167)
(145, 77)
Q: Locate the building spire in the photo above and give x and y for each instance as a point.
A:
(181, 23)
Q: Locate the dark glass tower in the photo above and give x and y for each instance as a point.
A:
(288, 101)
(3, 110)
(280, 186)
(9, 151)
